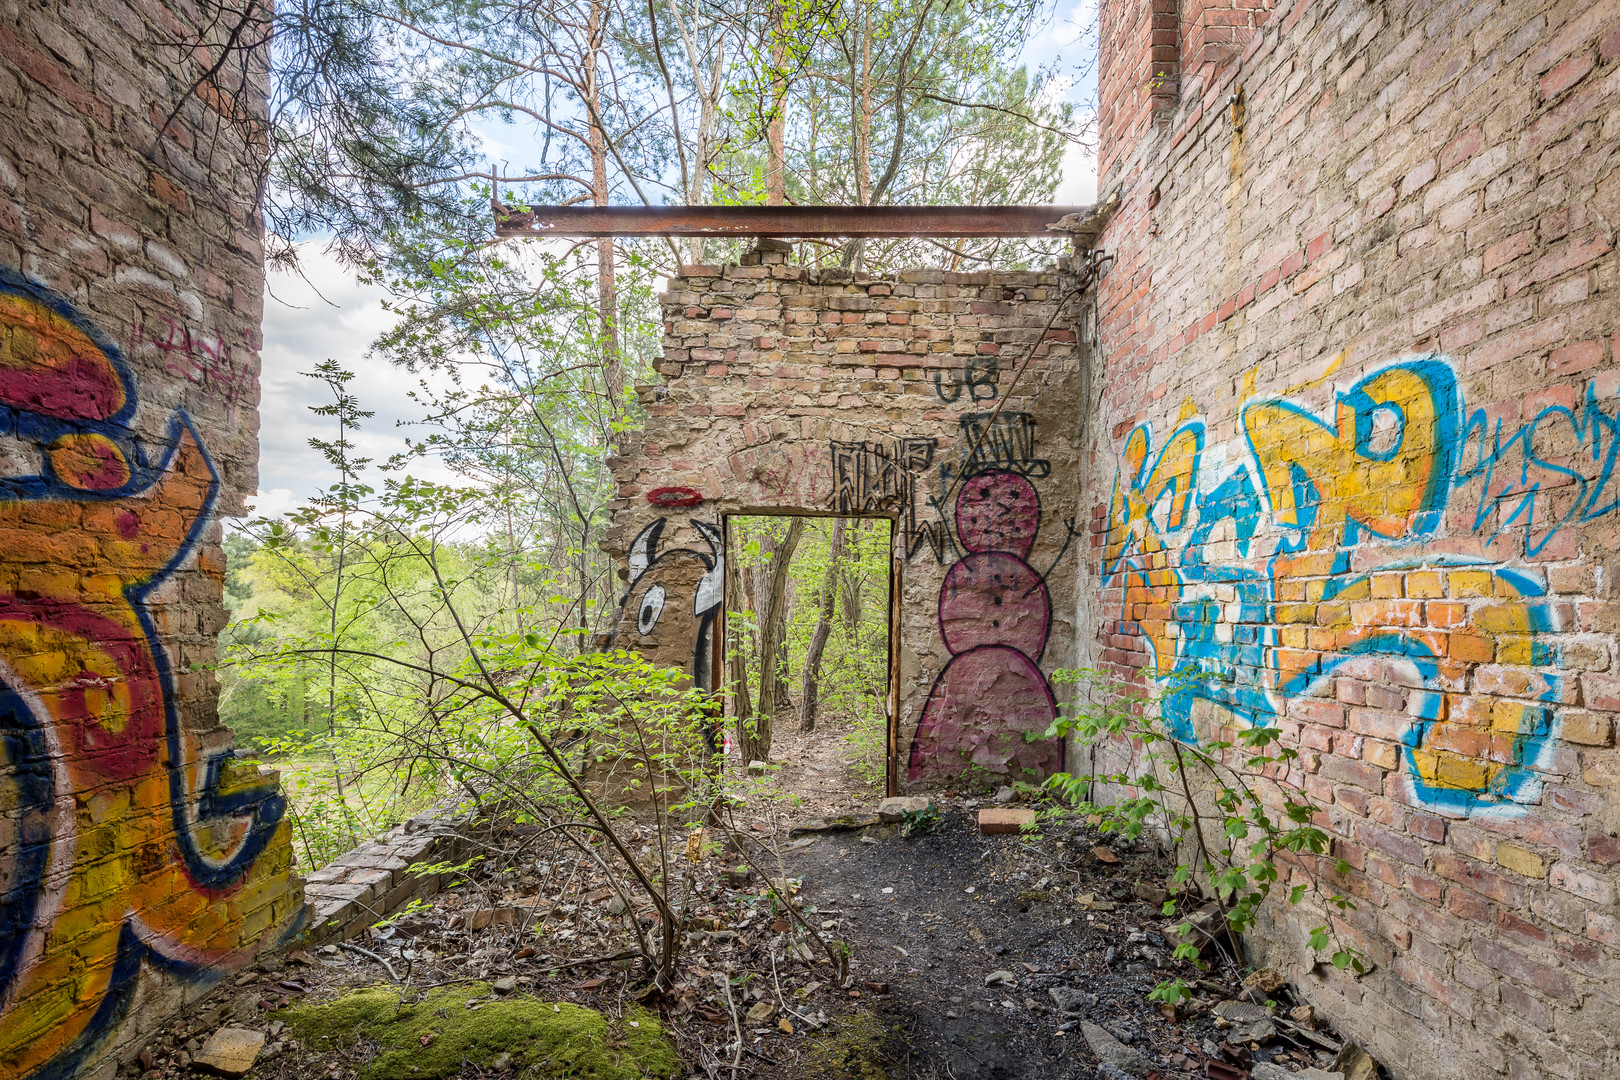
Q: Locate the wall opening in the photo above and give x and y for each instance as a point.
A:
(808, 656)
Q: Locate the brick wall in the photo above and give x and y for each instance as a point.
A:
(1354, 476)
(795, 391)
(138, 861)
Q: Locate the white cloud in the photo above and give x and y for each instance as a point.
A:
(1079, 183)
(272, 503)
(324, 314)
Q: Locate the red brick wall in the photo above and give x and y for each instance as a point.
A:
(130, 286)
(1215, 31)
(1355, 473)
(1139, 64)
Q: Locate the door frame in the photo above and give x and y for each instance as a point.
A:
(891, 785)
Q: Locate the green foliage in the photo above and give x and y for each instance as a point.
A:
(452, 1027)
(918, 822)
(853, 676)
(1234, 827)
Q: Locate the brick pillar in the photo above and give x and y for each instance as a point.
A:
(1215, 31)
(1139, 72)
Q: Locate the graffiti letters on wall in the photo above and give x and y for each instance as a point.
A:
(1384, 541)
(877, 478)
(123, 845)
(204, 360)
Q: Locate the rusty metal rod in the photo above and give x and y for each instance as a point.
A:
(782, 221)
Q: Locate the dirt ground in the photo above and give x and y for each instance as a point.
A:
(961, 950)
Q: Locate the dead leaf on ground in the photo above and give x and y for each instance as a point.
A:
(1105, 854)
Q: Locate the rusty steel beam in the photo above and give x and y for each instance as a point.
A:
(842, 222)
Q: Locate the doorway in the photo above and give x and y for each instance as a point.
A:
(808, 654)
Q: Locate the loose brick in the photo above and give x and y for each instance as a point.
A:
(998, 821)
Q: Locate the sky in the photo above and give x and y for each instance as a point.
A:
(323, 314)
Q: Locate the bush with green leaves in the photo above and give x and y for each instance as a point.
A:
(1223, 807)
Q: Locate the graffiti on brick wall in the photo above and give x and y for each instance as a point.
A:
(880, 478)
(1384, 542)
(124, 845)
(669, 611)
(204, 360)
(999, 440)
(991, 701)
(977, 380)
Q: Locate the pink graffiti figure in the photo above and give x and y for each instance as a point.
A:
(994, 616)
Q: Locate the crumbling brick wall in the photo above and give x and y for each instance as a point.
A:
(138, 862)
(1354, 476)
(943, 402)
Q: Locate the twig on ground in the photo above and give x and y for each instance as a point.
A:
(736, 1024)
(357, 950)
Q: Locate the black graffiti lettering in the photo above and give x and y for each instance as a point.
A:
(881, 478)
(979, 377)
(1003, 440)
(875, 478)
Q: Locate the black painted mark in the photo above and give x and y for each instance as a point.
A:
(979, 377)
(1004, 440)
(881, 478)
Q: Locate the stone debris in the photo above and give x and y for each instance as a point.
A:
(1149, 893)
(1355, 1063)
(230, 1051)
(893, 811)
(1070, 1000)
(1268, 980)
(1265, 1070)
(1241, 1012)
(839, 823)
(1001, 978)
(1110, 1051)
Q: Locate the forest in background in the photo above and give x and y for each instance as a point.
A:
(406, 642)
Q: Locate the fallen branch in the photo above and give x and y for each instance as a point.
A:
(358, 951)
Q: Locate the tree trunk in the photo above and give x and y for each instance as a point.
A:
(758, 748)
(818, 638)
(742, 702)
(607, 291)
(776, 128)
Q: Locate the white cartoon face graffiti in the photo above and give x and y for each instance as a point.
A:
(674, 596)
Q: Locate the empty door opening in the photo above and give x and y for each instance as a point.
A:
(807, 657)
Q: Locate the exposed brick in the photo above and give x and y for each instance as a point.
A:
(1565, 75)
(1004, 820)
(1515, 966)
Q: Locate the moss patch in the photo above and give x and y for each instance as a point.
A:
(849, 1049)
(436, 1036)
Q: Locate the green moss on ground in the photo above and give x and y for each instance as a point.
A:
(436, 1036)
(851, 1048)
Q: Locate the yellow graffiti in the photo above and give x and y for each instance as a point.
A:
(133, 847)
(1341, 585)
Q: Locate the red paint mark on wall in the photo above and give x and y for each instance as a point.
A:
(204, 360)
